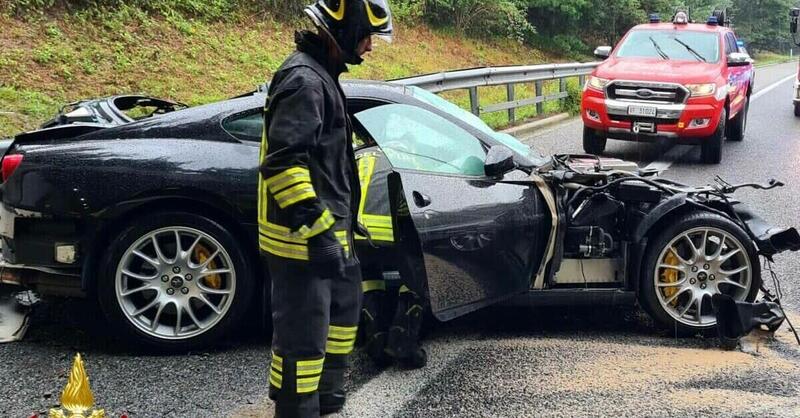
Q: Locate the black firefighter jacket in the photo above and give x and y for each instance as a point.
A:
(308, 184)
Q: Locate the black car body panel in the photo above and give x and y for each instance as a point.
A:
(481, 240)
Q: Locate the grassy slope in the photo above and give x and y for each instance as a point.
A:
(51, 60)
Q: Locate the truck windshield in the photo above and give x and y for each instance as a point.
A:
(671, 45)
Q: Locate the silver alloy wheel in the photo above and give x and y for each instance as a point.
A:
(175, 283)
(694, 266)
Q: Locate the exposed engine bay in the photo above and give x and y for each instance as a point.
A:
(607, 212)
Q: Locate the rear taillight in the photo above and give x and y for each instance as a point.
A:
(10, 163)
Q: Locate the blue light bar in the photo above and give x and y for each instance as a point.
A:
(655, 18)
(712, 20)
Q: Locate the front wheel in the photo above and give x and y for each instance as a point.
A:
(797, 110)
(738, 125)
(692, 259)
(711, 149)
(592, 142)
(175, 281)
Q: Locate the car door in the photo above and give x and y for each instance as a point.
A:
(738, 77)
(480, 239)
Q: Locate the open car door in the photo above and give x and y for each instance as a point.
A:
(480, 240)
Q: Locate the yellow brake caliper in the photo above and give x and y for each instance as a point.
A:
(213, 281)
(670, 276)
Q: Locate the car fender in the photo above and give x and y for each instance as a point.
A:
(658, 213)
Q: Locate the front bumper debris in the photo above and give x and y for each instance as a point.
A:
(737, 319)
(16, 305)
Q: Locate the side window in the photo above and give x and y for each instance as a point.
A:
(414, 138)
(247, 126)
(730, 44)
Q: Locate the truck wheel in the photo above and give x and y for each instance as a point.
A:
(693, 258)
(175, 281)
(592, 142)
(711, 149)
(739, 123)
(797, 110)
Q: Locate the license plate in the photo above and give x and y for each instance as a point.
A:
(649, 111)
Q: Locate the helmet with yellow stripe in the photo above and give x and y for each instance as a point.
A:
(348, 22)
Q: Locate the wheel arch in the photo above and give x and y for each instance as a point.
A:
(117, 218)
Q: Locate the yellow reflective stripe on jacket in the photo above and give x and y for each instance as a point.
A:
(294, 194)
(276, 232)
(282, 249)
(366, 166)
(384, 221)
(370, 285)
(288, 177)
(322, 224)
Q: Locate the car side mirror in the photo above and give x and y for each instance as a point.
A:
(738, 59)
(602, 52)
(499, 161)
(794, 14)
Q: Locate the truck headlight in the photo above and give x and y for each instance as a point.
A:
(596, 83)
(701, 90)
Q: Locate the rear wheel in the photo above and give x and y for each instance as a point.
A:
(175, 281)
(592, 142)
(711, 149)
(739, 123)
(694, 258)
(797, 110)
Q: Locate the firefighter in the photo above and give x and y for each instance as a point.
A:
(308, 201)
(387, 336)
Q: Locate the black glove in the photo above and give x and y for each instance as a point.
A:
(326, 255)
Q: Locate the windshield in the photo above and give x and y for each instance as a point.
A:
(474, 121)
(671, 45)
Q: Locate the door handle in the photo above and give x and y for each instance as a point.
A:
(421, 200)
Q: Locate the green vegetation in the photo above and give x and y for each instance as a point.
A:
(56, 56)
(196, 51)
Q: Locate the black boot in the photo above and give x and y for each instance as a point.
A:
(403, 341)
(330, 403)
(373, 327)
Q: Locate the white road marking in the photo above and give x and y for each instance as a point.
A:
(771, 87)
(678, 152)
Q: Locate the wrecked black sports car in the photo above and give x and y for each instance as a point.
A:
(156, 219)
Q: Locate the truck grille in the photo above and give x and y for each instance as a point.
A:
(647, 92)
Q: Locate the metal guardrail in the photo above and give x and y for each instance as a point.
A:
(509, 76)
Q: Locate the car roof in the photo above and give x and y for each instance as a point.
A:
(195, 122)
(696, 27)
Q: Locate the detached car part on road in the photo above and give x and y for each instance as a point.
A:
(679, 82)
(156, 219)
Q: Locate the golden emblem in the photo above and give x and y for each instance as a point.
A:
(77, 396)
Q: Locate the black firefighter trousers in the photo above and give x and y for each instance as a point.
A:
(315, 319)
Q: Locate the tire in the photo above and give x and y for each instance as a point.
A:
(174, 282)
(711, 149)
(592, 142)
(738, 125)
(665, 302)
(797, 110)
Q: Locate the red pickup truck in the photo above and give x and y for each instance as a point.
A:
(681, 82)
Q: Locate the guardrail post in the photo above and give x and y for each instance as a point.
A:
(581, 80)
(539, 93)
(510, 92)
(562, 87)
(474, 103)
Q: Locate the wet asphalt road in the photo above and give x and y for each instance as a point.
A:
(499, 362)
